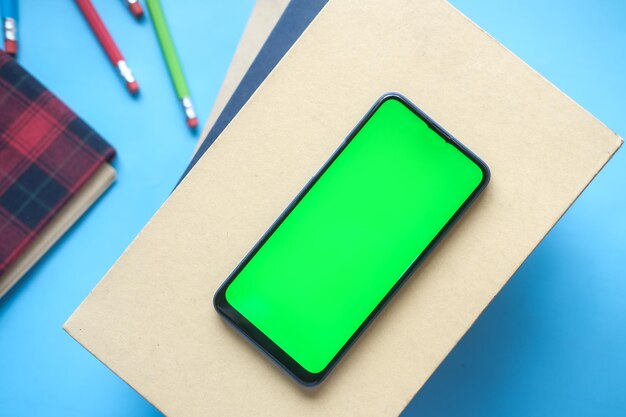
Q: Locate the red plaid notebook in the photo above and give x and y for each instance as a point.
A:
(48, 157)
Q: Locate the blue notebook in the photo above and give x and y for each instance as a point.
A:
(295, 19)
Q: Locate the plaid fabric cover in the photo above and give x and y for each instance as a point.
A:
(46, 154)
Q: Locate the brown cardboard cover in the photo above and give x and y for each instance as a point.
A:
(151, 319)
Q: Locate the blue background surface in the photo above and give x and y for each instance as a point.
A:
(552, 343)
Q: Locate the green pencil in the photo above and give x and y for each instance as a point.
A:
(171, 59)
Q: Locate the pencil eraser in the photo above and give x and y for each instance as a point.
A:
(193, 122)
(136, 9)
(10, 46)
(133, 87)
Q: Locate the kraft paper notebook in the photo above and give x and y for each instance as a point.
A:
(151, 319)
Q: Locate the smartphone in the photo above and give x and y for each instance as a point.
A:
(351, 238)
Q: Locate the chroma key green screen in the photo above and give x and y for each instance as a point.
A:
(317, 276)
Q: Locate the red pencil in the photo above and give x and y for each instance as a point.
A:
(135, 8)
(109, 46)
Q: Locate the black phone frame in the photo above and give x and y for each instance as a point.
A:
(263, 342)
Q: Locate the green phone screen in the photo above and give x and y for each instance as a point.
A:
(372, 211)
